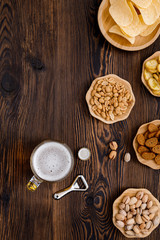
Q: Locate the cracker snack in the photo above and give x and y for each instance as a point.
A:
(149, 143)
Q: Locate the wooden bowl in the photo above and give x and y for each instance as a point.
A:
(130, 106)
(105, 22)
(156, 54)
(150, 163)
(132, 192)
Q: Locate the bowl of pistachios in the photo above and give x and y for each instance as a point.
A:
(136, 213)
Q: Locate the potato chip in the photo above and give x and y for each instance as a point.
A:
(147, 75)
(142, 3)
(132, 29)
(137, 26)
(153, 84)
(151, 64)
(121, 13)
(157, 5)
(112, 1)
(142, 26)
(116, 29)
(150, 28)
(150, 14)
(156, 92)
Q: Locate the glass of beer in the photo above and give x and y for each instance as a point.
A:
(50, 161)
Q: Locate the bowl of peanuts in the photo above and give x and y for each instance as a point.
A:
(136, 213)
(110, 99)
(146, 144)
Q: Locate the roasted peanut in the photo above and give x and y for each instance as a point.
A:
(112, 155)
(113, 145)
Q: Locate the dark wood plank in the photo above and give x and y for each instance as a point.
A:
(50, 51)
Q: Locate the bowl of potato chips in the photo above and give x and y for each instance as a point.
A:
(130, 25)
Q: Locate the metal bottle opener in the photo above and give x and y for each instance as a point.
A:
(79, 184)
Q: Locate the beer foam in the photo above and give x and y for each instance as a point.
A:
(52, 161)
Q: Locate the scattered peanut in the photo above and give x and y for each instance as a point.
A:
(112, 155)
(113, 145)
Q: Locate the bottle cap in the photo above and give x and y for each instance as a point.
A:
(84, 154)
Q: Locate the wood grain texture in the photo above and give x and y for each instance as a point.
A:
(50, 51)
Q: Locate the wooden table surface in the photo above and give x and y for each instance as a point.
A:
(50, 52)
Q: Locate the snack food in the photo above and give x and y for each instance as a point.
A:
(157, 134)
(151, 142)
(113, 145)
(148, 155)
(112, 155)
(141, 139)
(151, 134)
(151, 74)
(123, 17)
(110, 99)
(132, 30)
(136, 213)
(148, 145)
(142, 3)
(134, 18)
(149, 14)
(156, 149)
(116, 29)
(142, 149)
(152, 127)
(146, 134)
(157, 159)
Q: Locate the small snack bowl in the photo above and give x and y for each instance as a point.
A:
(136, 213)
(142, 149)
(110, 99)
(151, 74)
